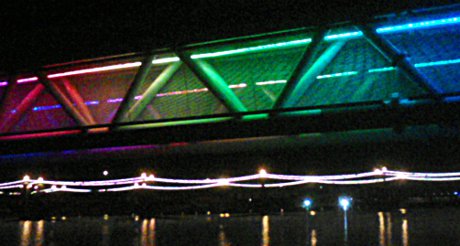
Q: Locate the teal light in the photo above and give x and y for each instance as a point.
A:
(381, 69)
(343, 35)
(419, 25)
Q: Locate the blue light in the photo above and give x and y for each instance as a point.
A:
(92, 103)
(419, 25)
(437, 63)
(345, 203)
(50, 107)
(307, 203)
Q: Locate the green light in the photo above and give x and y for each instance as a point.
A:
(253, 49)
(256, 117)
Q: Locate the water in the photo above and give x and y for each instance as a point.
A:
(403, 227)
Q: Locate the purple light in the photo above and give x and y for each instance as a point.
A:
(3, 83)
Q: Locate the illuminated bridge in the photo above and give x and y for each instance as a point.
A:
(396, 77)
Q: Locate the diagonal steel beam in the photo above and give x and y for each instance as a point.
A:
(79, 101)
(140, 77)
(399, 60)
(61, 98)
(214, 82)
(306, 79)
(302, 68)
(14, 117)
(149, 95)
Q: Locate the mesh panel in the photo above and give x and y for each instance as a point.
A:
(183, 96)
(45, 114)
(263, 73)
(359, 88)
(13, 99)
(429, 50)
(102, 92)
(350, 78)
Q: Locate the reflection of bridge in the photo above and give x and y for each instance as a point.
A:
(398, 73)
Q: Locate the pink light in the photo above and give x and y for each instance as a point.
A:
(95, 70)
(40, 135)
(3, 83)
(27, 80)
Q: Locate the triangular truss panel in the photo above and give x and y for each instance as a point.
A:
(258, 77)
(13, 100)
(97, 90)
(435, 52)
(358, 73)
(183, 95)
(45, 114)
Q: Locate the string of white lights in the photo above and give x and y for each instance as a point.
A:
(263, 178)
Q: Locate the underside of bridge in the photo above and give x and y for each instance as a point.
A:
(389, 84)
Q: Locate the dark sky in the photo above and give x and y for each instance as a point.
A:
(37, 33)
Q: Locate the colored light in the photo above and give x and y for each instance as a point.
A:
(253, 48)
(165, 60)
(419, 25)
(382, 69)
(27, 80)
(271, 82)
(307, 203)
(343, 35)
(437, 63)
(345, 203)
(95, 70)
(3, 83)
(327, 76)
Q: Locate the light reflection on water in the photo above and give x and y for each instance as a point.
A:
(326, 228)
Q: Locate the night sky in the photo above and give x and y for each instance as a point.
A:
(38, 33)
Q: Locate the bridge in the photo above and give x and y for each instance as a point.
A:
(396, 77)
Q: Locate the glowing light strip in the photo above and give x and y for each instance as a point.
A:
(95, 70)
(9, 187)
(271, 82)
(165, 60)
(253, 48)
(438, 63)
(334, 75)
(27, 80)
(127, 184)
(3, 83)
(419, 25)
